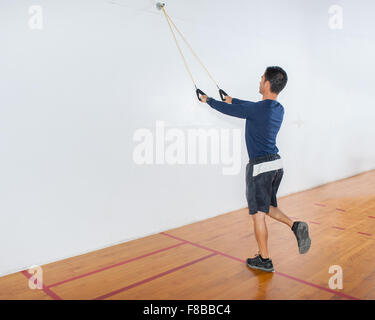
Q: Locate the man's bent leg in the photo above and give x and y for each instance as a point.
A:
(278, 215)
(261, 233)
(299, 228)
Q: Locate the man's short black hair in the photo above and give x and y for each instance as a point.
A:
(277, 77)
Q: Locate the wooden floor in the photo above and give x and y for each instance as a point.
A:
(206, 260)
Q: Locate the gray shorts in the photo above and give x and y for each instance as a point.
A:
(263, 177)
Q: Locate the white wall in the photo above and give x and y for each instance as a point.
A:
(73, 94)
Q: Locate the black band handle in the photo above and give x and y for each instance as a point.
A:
(199, 92)
(222, 94)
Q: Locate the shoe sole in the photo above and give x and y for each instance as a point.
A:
(263, 269)
(303, 234)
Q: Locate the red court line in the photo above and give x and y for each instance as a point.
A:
(314, 222)
(340, 228)
(153, 277)
(317, 286)
(203, 247)
(320, 204)
(55, 296)
(365, 233)
(276, 272)
(115, 265)
(323, 205)
(45, 289)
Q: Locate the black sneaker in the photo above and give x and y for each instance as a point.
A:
(301, 231)
(259, 263)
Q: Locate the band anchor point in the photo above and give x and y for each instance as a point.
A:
(160, 5)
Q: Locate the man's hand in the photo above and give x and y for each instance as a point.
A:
(203, 98)
(228, 99)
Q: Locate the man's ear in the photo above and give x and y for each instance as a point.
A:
(267, 85)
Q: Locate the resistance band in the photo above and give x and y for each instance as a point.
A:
(222, 93)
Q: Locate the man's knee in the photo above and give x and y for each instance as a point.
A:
(259, 215)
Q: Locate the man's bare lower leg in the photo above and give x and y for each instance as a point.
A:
(261, 233)
(278, 215)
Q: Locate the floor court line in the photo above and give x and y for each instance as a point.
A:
(115, 265)
(46, 290)
(314, 222)
(276, 272)
(154, 277)
(365, 233)
(203, 247)
(340, 228)
(55, 296)
(320, 204)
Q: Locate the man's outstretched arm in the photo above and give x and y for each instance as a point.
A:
(229, 99)
(238, 101)
(235, 110)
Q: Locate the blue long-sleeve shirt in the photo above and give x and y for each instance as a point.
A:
(263, 122)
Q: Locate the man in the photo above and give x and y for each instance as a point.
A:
(264, 170)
